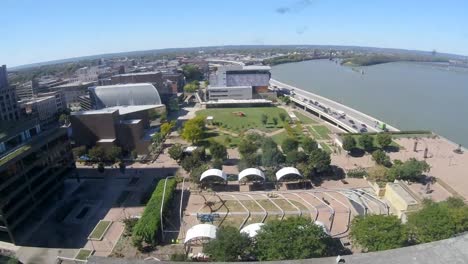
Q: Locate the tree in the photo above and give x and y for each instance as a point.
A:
(275, 120)
(157, 138)
(320, 160)
(436, 221)
(229, 245)
(367, 142)
(248, 146)
(134, 154)
(192, 72)
(114, 153)
(381, 158)
(384, 140)
(349, 143)
(197, 171)
(176, 152)
(79, 151)
(100, 167)
(97, 153)
(271, 155)
(293, 238)
(167, 127)
(190, 88)
(379, 174)
(248, 161)
(289, 144)
(410, 170)
(264, 119)
(194, 160)
(309, 145)
(64, 119)
(282, 116)
(294, 157)
(217, 164)
(378, 232)
(218, 151)
(193, 130)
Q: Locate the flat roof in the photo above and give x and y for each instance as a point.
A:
(123, 110)
(256, 67)
(136, 73)
(245, 101)
(72, 84)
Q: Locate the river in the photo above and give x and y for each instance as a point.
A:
(409, 96)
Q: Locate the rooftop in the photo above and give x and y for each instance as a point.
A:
(136, 73)
(123, 110)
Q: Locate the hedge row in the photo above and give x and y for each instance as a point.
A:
(147, 227)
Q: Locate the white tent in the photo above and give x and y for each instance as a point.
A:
(251, 172)
(214, 173)
(287, 171)
(322, 225)
(252, 229)
(200, 232)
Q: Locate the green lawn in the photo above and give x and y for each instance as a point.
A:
(99, 230)
(304, 119)
(83, 254)
(320, 132)
(229, 120)
(325, 147)
(220, 137)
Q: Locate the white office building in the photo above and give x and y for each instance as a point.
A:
(232, 93)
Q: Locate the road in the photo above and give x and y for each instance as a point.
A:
(330, 108)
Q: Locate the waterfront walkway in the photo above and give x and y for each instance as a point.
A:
(354, 119)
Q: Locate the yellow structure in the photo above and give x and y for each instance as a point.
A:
(400, 200)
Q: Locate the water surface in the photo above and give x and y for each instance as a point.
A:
(406, 95)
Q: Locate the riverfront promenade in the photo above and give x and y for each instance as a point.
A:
(352, 121)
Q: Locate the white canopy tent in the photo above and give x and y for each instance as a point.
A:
(252, 229)
(287, 171)
(200, 232)
(213, 173)
(251, 172)
(323, 226)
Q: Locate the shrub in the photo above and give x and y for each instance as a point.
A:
(148, 225)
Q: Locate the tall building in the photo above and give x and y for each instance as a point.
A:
(33, 166)
(8, 105)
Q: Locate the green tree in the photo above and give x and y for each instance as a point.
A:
(436, 221)
(79, 151)
(320, 160)
(275, 120)
(384, 139)
(97, 153)
(217, 164)
(381, 158)
(193, 130)
(157, 138)
(229, 245)
(167, 127)
(197, 171)
(190, 88)
(264, 119)
(282, 116)
(410, 170)
(379, 174)
(309, 145)
(271, 155)
(293, 238)
(248, 161)
(248, 146)
(367, 142)
(134, 154)
(192, 72)
(218, 150)
(349, 143)
(101, 167)
(378, 232)
(294, 157)
(114, 153)
(289, 144)
(64, 119)
(176, 152)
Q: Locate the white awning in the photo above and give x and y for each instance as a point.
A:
(323, 226)
(251, 172)
(201, 231)
(287, 171)
(213, 173)
(252, 229)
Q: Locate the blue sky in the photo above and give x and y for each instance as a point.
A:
(42, 30)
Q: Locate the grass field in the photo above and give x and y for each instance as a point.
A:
(222, 138)
(279, 138)
(229, 120)
(99, 230)
(320, 132)
(304, 119)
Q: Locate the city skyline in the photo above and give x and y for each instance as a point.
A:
(48, 30)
